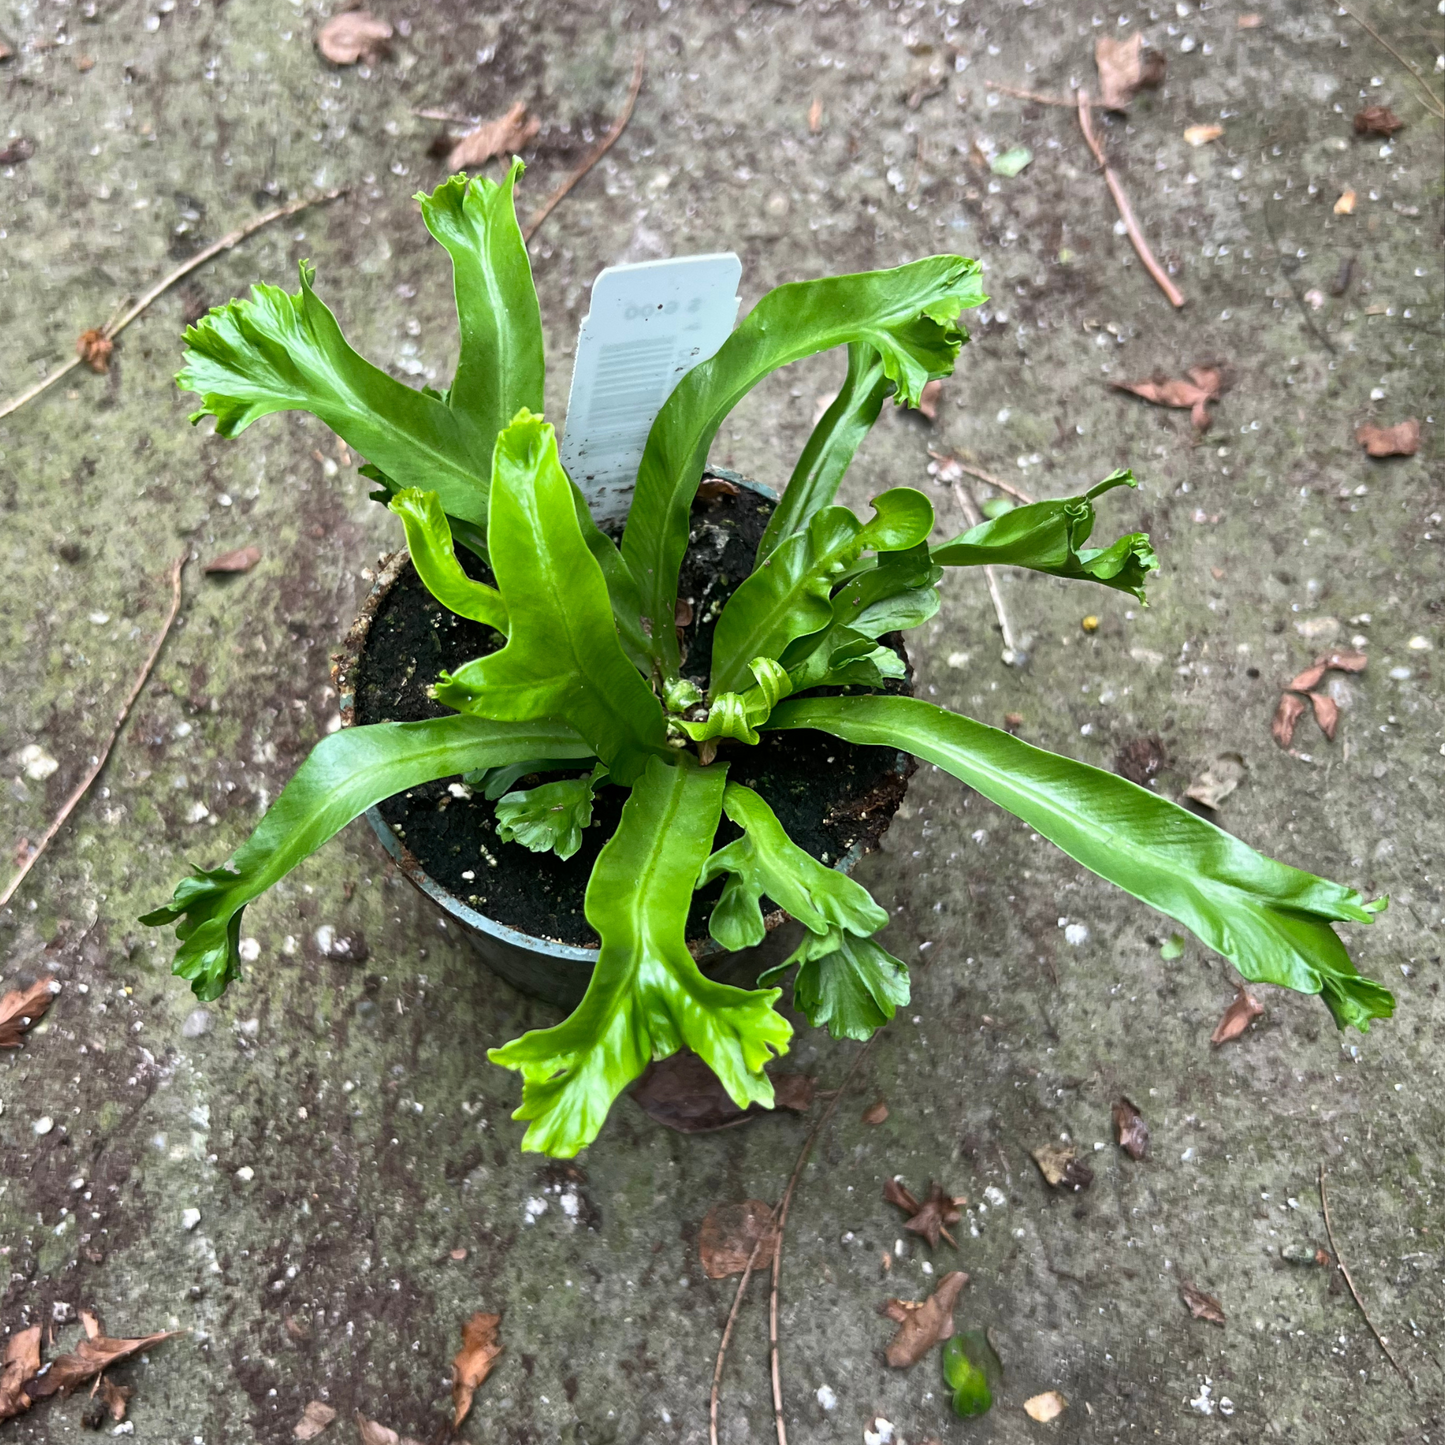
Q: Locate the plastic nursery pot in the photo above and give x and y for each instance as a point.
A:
(523, 911)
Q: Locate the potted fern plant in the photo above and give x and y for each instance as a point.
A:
(581, 671)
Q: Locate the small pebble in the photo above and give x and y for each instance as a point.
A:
(43, 1125)
(198, 1022)
(245, 1174)
(190, 1218)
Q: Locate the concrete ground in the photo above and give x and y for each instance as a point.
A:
(334, 1120)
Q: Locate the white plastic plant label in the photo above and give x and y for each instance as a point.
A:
(649, 325)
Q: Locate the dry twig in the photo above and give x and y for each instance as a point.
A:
(1433, 103)
(81, 788)
(1029, 95)
(592, 156)
(727, 1335)
(1335, 1249)
(1015, 492)
(1126, 212)
(114, 327)
(1011, 652)
(787, 1200)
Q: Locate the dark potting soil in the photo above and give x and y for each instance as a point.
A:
(828, 794)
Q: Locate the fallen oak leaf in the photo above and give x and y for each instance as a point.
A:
(353, 35)
(22, 1009)
(928, 1218)
(923, 1323)
(1062, 1168)
(1400, 440)
(1377, 120)
(91, 1355)
(473, 1362)
(1204, 384)
(506, 135)
(734, 1234)
(1327, 713)
(1048, 1406)
(21, 1361)
(94, 347)
(314, 1419)
(241, 560)
(373, 1432)
(1286, 715)
(1237, 1017)
(1126, 67)
(1130, 1130)
(1201, 1306)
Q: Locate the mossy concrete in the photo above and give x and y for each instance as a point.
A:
(334, 1119)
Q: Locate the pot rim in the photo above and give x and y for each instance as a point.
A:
(343, 671)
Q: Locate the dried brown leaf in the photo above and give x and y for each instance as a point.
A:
(1307, 679)
(1248, 22)
(1201, 135)
(1377, 120)
(504, 136)
(115, 1398)
(241, 560)
(473, 1362)
(1062, 1168)
(20, 1363)
(928, 399)
(1125, 67)
(1202, 1306)
(1217, 781)
(1286, 715)
(314, 1419)
(373, 1432)
(682, 1093)
(1400, 440)
(1345, 661)
(794, 1091)
(730, 1233)
(96, 1352)
(1048, 1406)
(815, 116)
(923, 1323)
(1345, 206)
(20, 149)
(1130, 1130)
(928, 1218)
(1327, 713)
(710, 489)
(1140, 759)
(22, 1008)
(94, 348)
(352, 36)
(1237, 1017)
(875, 1113)
(1194, 392)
